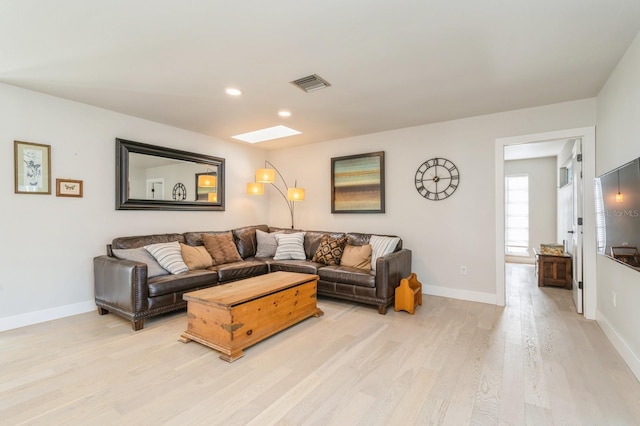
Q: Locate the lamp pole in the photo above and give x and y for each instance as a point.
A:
(290, 203)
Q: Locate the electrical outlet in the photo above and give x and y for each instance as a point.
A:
(463, 270)
(613, 299)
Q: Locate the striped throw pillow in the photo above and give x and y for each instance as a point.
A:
(169, 256)
(290, 246)
(381, 246)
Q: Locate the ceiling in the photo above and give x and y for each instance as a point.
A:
(390, 64)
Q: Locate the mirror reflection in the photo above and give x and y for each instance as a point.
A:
(152, 177)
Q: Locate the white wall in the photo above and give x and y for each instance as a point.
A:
(542, 197)
(618, 141)
(49, 241)
(443, 235)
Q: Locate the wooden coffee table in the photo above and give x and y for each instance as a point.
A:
(234, 316)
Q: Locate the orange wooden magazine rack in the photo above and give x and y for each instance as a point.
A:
(408, 294)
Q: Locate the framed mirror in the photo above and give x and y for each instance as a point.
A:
(150, 177)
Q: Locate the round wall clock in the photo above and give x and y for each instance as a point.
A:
(179, 192)
(437, 178)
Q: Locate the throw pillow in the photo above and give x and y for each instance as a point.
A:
(381, 246)
(330, 250)
(169, 256)
(267, 243)
(196, 257)
(357, 256)
(290, 246)
(141, 255)
(222, 248)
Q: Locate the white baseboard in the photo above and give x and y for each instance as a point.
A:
(632, 359)
(36, 317)
(472, 296)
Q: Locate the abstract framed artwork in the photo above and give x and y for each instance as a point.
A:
(32, 167)
(357, 183)
(68, 188)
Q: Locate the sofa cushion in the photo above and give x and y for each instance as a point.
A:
(196, 257)
(348, 275)
(240, 270)
(330, 250)
(246, 239)
(141, 255)
(144, 240)
(222, 248)
(301, 266)
(290, 246)
(169, 256)
(356, 256)
(381, 246)
(190, 280)
(267, 243)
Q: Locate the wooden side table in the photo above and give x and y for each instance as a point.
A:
(553, 270)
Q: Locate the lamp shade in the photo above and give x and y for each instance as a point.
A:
(207, 181)
(295, 194)
(212, 197)
(619, 197)
(265, 175)
(255, 188)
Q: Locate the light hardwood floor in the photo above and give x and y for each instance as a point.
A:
(534, 362)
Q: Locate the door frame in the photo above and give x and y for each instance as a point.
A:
(588, 136)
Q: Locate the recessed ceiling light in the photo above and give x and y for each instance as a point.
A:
(233, 92)
(284, 113)
(267, 134)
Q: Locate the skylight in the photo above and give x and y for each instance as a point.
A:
(267, 134)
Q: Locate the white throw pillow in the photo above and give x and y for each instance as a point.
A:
(141, 255)
(169, 256)
(267, 243)
(381, 246)
(290, 246)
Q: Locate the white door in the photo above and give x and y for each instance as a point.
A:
(155, 189)
(576, 228)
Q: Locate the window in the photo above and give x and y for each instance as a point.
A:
(517, 215)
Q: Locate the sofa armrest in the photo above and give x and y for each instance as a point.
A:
(390, 269)
(121, 283)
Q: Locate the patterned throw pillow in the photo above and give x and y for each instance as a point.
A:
(196, 257)
(141, 255)
(330, 250)
(290, 246)
(222, 248)
(267, 243)
(169, 256)
(357, 256)
(381, 246)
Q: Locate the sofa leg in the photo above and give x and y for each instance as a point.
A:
(382, 309)
(137, 325)
(102, 311)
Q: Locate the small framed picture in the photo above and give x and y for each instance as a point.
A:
(68, 188)
(32, 168)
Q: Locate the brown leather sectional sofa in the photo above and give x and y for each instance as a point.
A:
(122, 286)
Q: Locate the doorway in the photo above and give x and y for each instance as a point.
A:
(587, 135)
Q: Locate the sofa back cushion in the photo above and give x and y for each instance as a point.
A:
(145, 240)
(246, 239)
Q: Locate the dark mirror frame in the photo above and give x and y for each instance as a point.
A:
(123, 202)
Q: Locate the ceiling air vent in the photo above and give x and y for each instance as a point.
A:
(311, 83)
